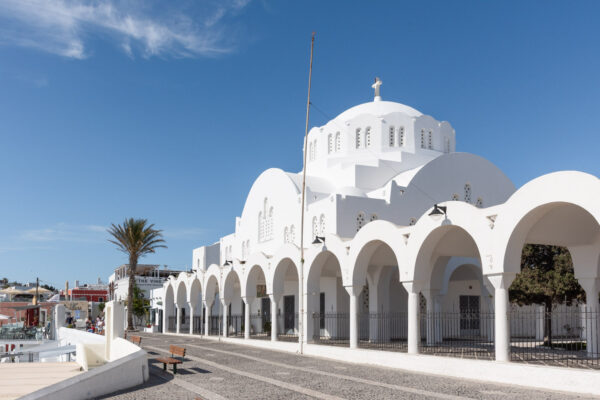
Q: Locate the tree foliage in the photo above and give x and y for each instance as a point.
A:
(547, 277)
(135, 238)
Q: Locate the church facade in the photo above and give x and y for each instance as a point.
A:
(407, 243)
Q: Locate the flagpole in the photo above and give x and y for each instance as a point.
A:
(302, 315)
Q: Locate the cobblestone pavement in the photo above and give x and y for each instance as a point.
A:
(216, 371)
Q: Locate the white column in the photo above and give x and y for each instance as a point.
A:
(591, 287)
(354, 292)
(501, 283)
(430, 295)
(247, 301)
(191, 318)
(414, 337)
(178, 318)
(274, 302)
(207, 306)
(225, 315)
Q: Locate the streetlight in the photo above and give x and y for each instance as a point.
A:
(438, 212)
(319, 240)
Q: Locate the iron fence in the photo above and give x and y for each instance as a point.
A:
(198, 325)
(563, 336)
(331, 328)
(466, 333)
(384, 331)
(260, 326)
(215, 325)
(235, 325)
(287, 327)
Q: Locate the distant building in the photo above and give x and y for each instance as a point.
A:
(147, 277)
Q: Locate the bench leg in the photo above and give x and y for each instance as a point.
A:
(174, 369)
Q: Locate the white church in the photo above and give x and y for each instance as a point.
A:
(409, 246)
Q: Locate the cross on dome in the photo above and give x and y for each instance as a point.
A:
(376, 86)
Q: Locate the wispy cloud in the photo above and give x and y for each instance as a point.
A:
(64, 27)
(65, 233)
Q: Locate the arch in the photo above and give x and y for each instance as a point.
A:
(195, 292)
(558, 209)
(232, 286)
(281, 271)
(465, 232)
(255, 274)
(181, 293)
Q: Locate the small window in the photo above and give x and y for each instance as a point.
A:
(401, 137)
(479, 202)
(292, 234)
(315, 227)
(392, 138)
(286, 233)
(329, 143)
(358, 138)
(373, 217)
(412, 221)
(422, 138)
(430, 140)
(322, 225)
(360, 221)
(467, 193)
(338, 145)
(455, 197)
(368, 137)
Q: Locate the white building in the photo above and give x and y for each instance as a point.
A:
(382, 259)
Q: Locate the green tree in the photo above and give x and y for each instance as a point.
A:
(135, 238)
(140, 304)
(547, 277)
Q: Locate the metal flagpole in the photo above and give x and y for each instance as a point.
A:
(302, 316)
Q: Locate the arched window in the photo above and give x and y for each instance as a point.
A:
(357, 138)
(401, 136)
(447, 145)
(373, 217)
(269, 227)
(455, 197)
(329, 143)
(360, 221)
(392, 138)
(368, 136)
(286, 233)
(479, 202)
(248, 247)
(412, 221)
(322, 225)
(338, 145)
(315, 227)
(422, 138)
(265, 222)
(310, 151)
(292, 234)
(467, 193)
(261, 227)
(430, 141)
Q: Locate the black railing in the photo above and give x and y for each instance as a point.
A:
(385, 331)
(565, 336)
(235, 325)
(172, 324)
(287, 327)
(465, 334)
(198, 325)
(260, 326)
(216, 325)
(331, 328)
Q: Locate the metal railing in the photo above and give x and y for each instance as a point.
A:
(235, 325)
(465, 333)
(260, 326)
(564, 336)
(384, 331)
(198, 327)
(331, 328)
(216, 325)
(287, 327)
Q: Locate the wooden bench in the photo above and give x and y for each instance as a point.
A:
(175, 351)
(137, 340)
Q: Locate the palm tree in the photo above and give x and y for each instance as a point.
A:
(136, 239)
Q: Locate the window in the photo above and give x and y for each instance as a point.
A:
(422, 138)
(373, 217)
(401, 136)
(447, 145)
(292, 234)
(329, 143)
(455, 197)
(392, 139)
(412, 221)
(360, 221)
(322, 225)
(248, 247)
(368, 137)
(265, 222)
(286, 235)
(261, 227)
(315, 227)
(430, 141)
(467, 193)
(338, 145)
(358, 138)
(479, 202)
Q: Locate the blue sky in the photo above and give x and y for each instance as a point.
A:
(170, 110)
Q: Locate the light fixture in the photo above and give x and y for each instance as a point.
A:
(319, 240)
(228, 262)
(438, 212)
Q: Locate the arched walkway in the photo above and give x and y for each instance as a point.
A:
(257, 315)
(182, 323)
(212, 306)
(285, 301)
(233, 306)
(196, 306)
(169, 312)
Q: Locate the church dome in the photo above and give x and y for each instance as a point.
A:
(378, 108)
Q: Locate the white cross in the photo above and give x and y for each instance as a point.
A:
(376, 86)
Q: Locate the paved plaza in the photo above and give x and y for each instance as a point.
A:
(216, 370)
